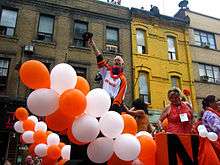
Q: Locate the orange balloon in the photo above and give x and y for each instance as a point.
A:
(83, 85)
(34, 74)
(48, 132)
(28, 125)
(62, 162)
(148, 149)
(165, 124)
(21, 113)
(31, 149)
(130, 124)
(72, 138)
(61, 145)
(40, 137)
(72, 102)
(114, 160)
(47, 161)
(58, 121)
(53, 152)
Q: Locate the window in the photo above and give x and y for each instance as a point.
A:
(209, 73)
(79, 29)
(171, 48)
(204, 39)
(112, 39)
(8, 22)
(144, 87)
(140, 34)
(175, 80)
(45, 28)
(80, 71)
(4, 67)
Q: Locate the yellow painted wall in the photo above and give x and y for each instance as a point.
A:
(155, 62)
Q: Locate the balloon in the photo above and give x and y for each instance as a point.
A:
(34, 74)
(100, 150)
(98, 102)
(212, 136)
(31, 149)
(53, 139)
(63, 77)
(72, 138)
(144, 133)
(130, 124)
(111, 124)
(53, 152)
(57, 121)
(127, 147)
(48, 133)
(41, 126)
(41, 150)
(21, 114)
(203, 133)
(43, 102)
(114, 160)
(85, 128)
(28, 125)
(65, 152)
(82, 84)
(201, 127)
(18, 126)
(27, 137)
(33, 118)
(148, 149)
(40, 137)
(61, 145)
(72, 102)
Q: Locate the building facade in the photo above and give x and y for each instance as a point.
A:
(204, 35)
(161, 57)
(51, 31)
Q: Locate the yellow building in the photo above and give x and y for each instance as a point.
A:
(161, 57)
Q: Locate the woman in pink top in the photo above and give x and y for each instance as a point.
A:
(178, 114)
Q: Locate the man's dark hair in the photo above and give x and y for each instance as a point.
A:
(176, 91)
(139, 104)
(208, 100)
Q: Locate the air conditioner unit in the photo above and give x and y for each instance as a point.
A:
(204, 78)
(28, 49)
(205, 45)
(112, 48)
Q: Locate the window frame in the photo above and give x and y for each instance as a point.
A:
(6, 27)
(207, 38)
(177, 80)
(4, 85)
(142, 95)
(79, 39)
(170, 53)
(142, 46)
(51, 35)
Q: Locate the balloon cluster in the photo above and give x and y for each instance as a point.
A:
(72, 108)
(44, 144)
(204, 133)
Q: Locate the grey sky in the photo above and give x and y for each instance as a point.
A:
(170, 7)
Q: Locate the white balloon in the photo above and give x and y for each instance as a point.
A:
(212, 136)
(41, 150)
(27, 137)
(127, 147)
(53, 139)
(111, 124)
(85, 128)
(65, 152)
(18, 126)
(100, 150)
(144, 133)
(40, 126)
(43, 102)
(203, 133)
(201, 127)
(63, 77)
(33, 118)
(98, 102)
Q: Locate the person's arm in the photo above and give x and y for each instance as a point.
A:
(121, 93)
(163, 116)
(134, 113)
(212, 120)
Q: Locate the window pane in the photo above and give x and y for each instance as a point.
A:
(204, 39)
(201, 70)
(143, 86)
(216, 73)
(111, 35)
(4, 64)
(175, 81)
(46, 24)
(79, 29)
(209, 71)
(8, 18)
(197, 38)
(171, 44)
(140, 38)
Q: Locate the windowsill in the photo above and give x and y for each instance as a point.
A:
(80, 48)
(111, 53)
(198, 81)
(175, 61)
(44, 43)
(204, 47)
(11, 38)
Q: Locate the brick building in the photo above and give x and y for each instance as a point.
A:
(51, 31)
